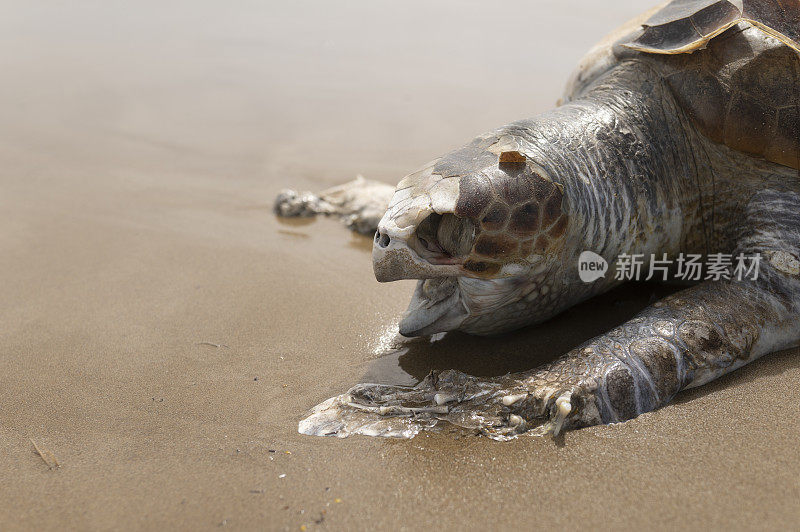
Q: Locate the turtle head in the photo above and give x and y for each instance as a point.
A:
(479, 228)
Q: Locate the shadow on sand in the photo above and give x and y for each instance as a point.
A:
(410, 360)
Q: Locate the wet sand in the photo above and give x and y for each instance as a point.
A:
(163, 332)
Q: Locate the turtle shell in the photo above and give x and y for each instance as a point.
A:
(733, 66)
(687, 25)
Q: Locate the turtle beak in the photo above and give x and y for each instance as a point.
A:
(436, 305)
(394, 257)
(399, 252)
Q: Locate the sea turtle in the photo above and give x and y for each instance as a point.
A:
(678, 134)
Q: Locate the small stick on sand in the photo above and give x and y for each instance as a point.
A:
(212, 344)
(47, 457)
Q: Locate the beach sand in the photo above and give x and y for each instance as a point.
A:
(163, 333)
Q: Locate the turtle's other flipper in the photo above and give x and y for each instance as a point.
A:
(360, 203)
(682, 341)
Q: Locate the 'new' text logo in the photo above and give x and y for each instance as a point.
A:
(591, 266)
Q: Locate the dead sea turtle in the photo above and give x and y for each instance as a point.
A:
(678, 134)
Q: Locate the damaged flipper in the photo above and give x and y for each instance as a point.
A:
(359, 203)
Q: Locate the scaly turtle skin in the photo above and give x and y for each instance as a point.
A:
(679, 134)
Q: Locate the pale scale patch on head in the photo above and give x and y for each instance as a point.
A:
(506, 143)
(410, 204)
(444, 194)
(417, 196)
(513, 269)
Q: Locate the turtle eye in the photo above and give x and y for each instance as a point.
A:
(456, 235)
(444, 236)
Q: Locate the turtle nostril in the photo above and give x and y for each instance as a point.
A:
(382, 239)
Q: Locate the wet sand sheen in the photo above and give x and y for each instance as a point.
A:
(141, 148)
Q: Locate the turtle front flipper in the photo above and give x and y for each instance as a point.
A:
(501, 408)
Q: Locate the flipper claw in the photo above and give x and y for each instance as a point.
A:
(514, 420)
(509, 400)
(563, 408)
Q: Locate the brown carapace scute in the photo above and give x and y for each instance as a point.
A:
(757, 112)
(736, 94)
(516, 211)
